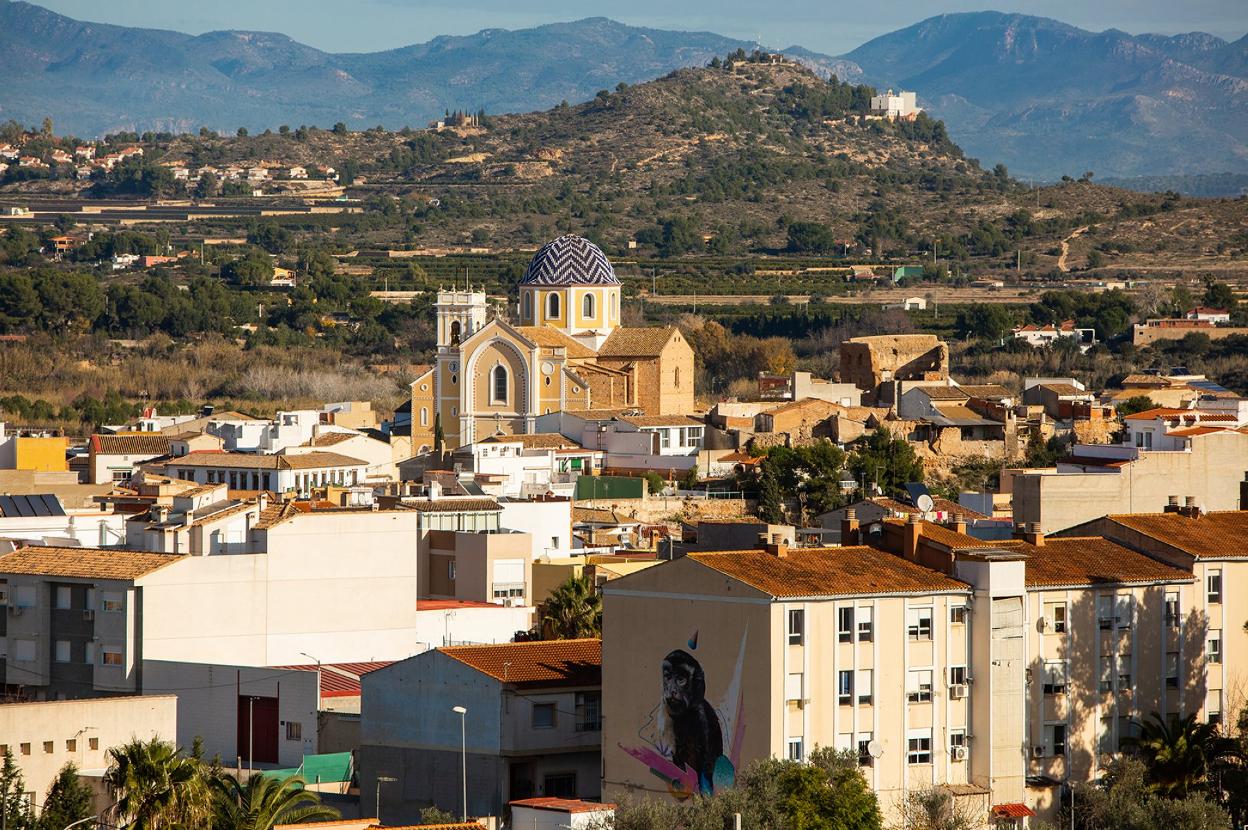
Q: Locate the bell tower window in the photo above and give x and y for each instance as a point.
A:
(526, 307)
(587, 306)
(552, 306)
(455, 332)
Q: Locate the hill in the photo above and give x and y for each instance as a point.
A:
(1050, 99)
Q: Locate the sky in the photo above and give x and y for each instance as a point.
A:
(829, 26)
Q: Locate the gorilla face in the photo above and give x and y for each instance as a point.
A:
(684, 684)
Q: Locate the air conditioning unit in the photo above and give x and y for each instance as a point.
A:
(1037, 752)
(958, 753)
(957, 691)
(88, 614)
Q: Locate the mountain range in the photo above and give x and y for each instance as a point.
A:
(1043, 97)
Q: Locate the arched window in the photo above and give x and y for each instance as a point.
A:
(552, 305)
(615, 304)
(424, 416)
(498, 381)
(587, 306)
(455, 331)
(526, 312)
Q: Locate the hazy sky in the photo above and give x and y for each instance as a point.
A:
(830, 26)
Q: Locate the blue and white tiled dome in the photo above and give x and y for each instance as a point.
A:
(570, 260)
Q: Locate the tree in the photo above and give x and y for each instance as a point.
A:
(14, 808)
(1219, 295)
(68, 800)
(340, 128)
(207, 186)
(987, 321)
(888, 462)
(572, 611)
(654, 482)
(1179, 752)
(811, 237)
(156, 787)
(255, 269)
(1134, 404)
(1123, 800)
(264, 802)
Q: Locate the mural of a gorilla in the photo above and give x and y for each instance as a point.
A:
(698, 739)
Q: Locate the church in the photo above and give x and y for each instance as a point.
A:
(567, 351)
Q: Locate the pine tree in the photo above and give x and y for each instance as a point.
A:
(14, 808)
(770, 497)
(68, 800)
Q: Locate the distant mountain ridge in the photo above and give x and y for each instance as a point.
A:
(1044, 97)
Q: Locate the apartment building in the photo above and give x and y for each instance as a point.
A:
(115, 458)
(531, 465)
(293, 473)
(531, 726)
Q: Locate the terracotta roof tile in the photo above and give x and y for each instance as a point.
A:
(802, 572)
(600, 515)
(939, 503)
(1216, 535)
(543, 663)
(130, 443)
(1160, 412)
(552, 338)
(1064, 389)
(662, 421)
(987, 390)
(944, 393)
(636, 342)
(252, 461)
(329, 439)
(562, 805)
(1090, 560)
(951, 539)
(451, 505)
(84, 563)
(540, 440)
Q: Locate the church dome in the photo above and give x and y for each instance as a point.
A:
(570, 260)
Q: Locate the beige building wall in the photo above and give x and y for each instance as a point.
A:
(1210, 471)
(46, 736)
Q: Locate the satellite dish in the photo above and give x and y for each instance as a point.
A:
(924, 503)
(874, 748)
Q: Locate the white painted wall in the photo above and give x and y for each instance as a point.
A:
(548, 523)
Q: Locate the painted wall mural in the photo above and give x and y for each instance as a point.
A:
(690, 743)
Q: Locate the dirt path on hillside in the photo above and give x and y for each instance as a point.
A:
(1061, 260)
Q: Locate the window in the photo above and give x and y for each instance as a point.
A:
(498, 385)
(1124, 614)
(919, 746)
(49, 747)
(797, 621)
(64, 597)
(1172, 609)
(110, 656)
(957, 614)
(864, 749)
(543, 716)
(1107, 673)
(93, 743)
(4, 596)
(845, 625)
(112, 603)
(25, 748)
(1124, 672)
(24, 651)
(1172, 670)
(589, 711)
(1055, 739)
(559, 785)
(1144, 440)
(676, 375)
(865, 692)
(1213, 645)
(866, 627)
(957, 675)
(71, 745)
(455, 331)
(1055, 677)
(919, 686)
(665, 439)
(62, 651)
(796, 752)
(527, 305)
(294, 730)
(1213, 706)
(424, 416)
(1105, 611)
(450, 570)
(1055, 614)
(845, 688)
(552, 305)
(1213, 584)
(957, 741)
(587, 306)
(793, 686)
(919, 623)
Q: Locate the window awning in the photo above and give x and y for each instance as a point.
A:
(1012, 811)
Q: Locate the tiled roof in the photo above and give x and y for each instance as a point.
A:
(340, 679)
(249, 461)
(1064, 389)
(541, 440)
(562, 805)
(329, 439)
(600, 515)
(274, 514)
(1192, 432)
(1142, 380)
(944, 393)
(951, 539)
(569, 260)
(805, 403)
(451, 505)
(939, 503)
(636, 342)
(542, 663)
(1159, 412)
(803, 572)
(662, 421)
(987, 390)
(130, 443)
(552, 338)
(84, 563)
(1090, 560)
(596, 414)
(1216, 535)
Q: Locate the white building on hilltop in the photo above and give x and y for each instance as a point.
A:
(895, 105)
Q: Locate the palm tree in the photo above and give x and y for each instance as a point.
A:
(1179, 752)
(155, 787)
(264, 802)
(572, 610)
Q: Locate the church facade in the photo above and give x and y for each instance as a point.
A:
(567, 351)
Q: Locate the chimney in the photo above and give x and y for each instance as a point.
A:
(958, 525)
(910, 541)
(435, 490)
(161, 513)
(1172, 505)
(262, 500)
(774, 545)
(849, 527)
(1190, 508)
(1032, 535)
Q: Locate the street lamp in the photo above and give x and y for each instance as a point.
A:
(382, 779)
(318, 682)
(463, 754)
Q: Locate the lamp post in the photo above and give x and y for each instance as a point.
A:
(382, 779)
(463, 754)
(318, 680)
